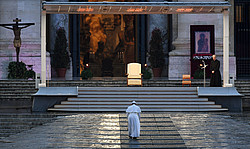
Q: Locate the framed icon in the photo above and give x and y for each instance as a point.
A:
(202, 42)
(202, 39)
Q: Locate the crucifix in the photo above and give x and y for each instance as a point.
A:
(17, 27)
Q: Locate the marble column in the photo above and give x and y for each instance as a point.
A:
(225, 48)
(43, 49)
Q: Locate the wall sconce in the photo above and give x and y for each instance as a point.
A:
(88, 9)
(184, 10)
(134, 9)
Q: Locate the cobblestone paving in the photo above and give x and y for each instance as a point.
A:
(214, 130)
(158, 130)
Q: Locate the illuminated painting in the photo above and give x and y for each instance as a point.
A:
(202, 42)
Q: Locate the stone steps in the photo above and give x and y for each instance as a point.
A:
(20, 90)
(13, 88)
(25, 123)
(246, 97)
(93, 83)
(148, 98)
(137, 93)
(15, 123)
(13, 131)
(15, 95)
(243, 87)
(121, 83)
(23, 120)
(29, 116)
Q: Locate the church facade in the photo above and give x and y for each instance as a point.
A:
(106, 43)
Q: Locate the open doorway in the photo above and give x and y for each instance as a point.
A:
(107, 43)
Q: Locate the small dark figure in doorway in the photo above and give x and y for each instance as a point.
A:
(215, 73)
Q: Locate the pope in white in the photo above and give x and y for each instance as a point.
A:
(133, 114)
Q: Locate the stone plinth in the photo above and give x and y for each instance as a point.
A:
(227, 97)
(34, 58)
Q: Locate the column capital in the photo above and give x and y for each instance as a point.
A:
(43, 12)
(226, 11)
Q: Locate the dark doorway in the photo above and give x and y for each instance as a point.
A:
(107, 42)
(242, 38)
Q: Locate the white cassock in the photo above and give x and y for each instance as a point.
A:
(133, 114)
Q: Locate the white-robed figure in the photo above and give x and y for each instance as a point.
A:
(133, 114)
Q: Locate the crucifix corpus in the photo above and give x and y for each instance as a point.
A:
(17, 27)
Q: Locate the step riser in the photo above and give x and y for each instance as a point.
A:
(141, 106)
(138, 103)
(16, 93)
(4, 124)
(18, 86)
(186, 89)
(15, 97)
(143, 110)
(18, 89)
(80, 99)
(243, 88)
(138, 96)
(24, 120)
(137, 93)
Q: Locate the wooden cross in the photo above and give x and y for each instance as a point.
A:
(17, 20)
(17, 27)
(16, 23)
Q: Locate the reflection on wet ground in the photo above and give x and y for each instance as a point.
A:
(158, 130)
(213, 130)
(155, 133)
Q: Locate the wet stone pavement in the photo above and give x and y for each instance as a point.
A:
(158, 130)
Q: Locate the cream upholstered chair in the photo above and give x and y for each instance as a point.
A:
(134, 76)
